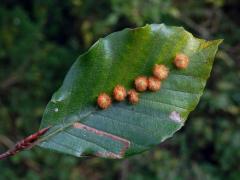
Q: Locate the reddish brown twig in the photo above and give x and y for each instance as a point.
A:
(26, 143)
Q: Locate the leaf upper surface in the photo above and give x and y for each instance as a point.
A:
(79, 127)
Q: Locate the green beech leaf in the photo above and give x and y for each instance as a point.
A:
(79, 127)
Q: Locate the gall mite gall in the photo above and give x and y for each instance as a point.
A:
(133, 96)
(119, 93)
(154, 84)
(181, 61)
(104, 101)
(141, 83)
(160, 71)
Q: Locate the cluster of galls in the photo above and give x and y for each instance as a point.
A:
(153, 83)
(119, 94)
(142, 83)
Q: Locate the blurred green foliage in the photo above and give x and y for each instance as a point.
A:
(39, 40)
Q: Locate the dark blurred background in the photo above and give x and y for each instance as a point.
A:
(39, 41)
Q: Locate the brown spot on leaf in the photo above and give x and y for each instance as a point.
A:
(124, 142)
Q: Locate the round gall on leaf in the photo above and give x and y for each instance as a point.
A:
(154, 84)
(119, 93)
(141, 83)
(104, 101)
(160, 71)
(133, 96)
(181, 61)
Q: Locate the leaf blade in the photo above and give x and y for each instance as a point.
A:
(118, 59)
